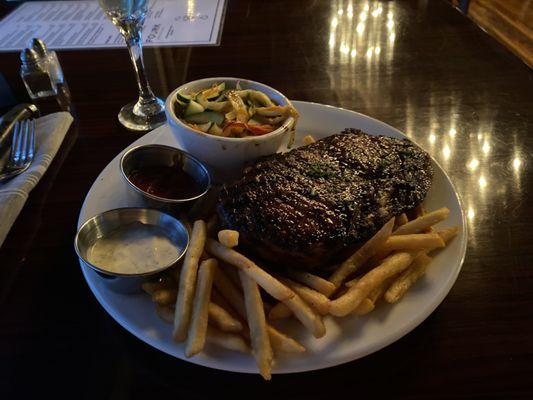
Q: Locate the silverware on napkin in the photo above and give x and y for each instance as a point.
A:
(22, 150)
(7, 122)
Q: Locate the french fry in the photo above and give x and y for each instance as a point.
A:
(228, 238)
(228, 340)
(448, 233)
(351, 282)
(187, 283)
(392, 265)
(313, 281)
(378, 292)
(283, 343)
(233, 274)
(407, 278)
(271, 285)
(416, 241)
(222, 319)
(226, 294)
(302, 310)
(279, 341)
(340, 292)
(165, 297)
(166, 313)
(306, 315)
(419, 211)
(423, 222)
(198, 326)
(366, 251)
(315, 299)
(230, 292)
(308, 139)
(279, 311)
(255, 315)
(221, 301)
(365, 307)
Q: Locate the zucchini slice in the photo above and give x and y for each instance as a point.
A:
(217, 105)
(204, 117)
(183, 98)
(181, 102)
(193, 108)
(212, 93)
(216, 91)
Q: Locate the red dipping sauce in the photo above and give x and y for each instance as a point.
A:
(166, 182)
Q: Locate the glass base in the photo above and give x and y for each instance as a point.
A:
(143, 116)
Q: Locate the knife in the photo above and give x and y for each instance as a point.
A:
(7, 122)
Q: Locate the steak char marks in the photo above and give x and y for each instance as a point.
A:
(306, 208)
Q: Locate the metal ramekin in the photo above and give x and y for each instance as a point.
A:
(161, 155)
(103, 224)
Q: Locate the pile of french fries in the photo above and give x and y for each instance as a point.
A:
(215, 296)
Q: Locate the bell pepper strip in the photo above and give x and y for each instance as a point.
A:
(240, 129)
(258, 130)
(234, 129)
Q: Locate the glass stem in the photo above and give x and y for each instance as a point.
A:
(133, 41)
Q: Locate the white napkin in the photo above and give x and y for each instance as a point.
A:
(49, 134)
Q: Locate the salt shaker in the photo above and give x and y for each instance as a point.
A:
(52, 61)
(35, 74)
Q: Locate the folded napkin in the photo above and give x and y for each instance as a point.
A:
(49, 134)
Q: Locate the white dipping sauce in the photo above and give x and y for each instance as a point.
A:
(132, 249)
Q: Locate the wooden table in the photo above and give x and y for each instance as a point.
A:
(429, 72)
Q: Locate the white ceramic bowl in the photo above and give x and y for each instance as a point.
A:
(226, 156)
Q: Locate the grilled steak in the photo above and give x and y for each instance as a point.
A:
(308, 207)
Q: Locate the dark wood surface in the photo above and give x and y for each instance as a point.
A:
(437, 73)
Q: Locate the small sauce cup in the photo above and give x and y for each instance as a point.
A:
(165, 177)
(107, 223)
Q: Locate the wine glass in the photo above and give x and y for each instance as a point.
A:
(149, 111)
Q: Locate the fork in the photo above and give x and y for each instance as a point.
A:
(22, 150)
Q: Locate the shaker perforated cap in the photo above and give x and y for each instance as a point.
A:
(29, 56)
(39, 46)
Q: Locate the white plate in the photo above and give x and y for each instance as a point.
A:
(348, 338)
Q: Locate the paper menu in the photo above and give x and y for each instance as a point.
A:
(83, 24)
